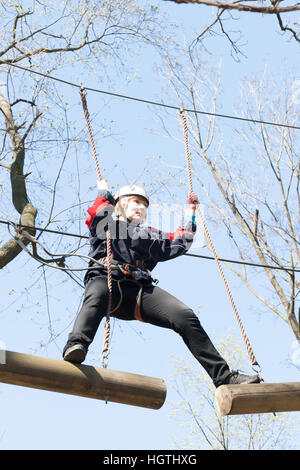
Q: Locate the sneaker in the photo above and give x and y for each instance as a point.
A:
(75, 354)
(236, 378)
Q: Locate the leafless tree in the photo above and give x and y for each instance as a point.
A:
(51, 36)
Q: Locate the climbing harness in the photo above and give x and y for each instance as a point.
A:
(126, 268)
(211, 246)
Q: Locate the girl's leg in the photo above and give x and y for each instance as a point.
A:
(93, 309)
(160, 308)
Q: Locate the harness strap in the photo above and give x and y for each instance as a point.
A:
(137, 310)
(125, 268)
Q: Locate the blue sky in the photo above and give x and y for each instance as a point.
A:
(33, 419)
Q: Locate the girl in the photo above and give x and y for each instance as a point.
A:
(136, 250)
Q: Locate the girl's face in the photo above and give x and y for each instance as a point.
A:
(136, 209)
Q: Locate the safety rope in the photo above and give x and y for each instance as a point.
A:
(105, 348)
(210, 243)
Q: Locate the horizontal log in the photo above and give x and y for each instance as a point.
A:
(81, 380)
(258, 398)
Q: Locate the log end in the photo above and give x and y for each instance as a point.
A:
(258, 398)
(223, 400)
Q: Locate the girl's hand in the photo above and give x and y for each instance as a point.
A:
(193, 200)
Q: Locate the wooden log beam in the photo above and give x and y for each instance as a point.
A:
(81, 380)
(258, 398)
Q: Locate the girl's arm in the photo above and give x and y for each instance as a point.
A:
(179, 242)
(100, 213)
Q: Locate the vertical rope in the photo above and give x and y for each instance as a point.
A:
(87, 118)
(105, 348)
(210, 243)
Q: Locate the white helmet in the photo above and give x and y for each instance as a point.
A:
(131, 190)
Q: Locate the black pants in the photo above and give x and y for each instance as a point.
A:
(157, 307)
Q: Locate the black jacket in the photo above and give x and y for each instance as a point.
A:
(137, 245)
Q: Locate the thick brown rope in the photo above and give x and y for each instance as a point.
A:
(210, 243)
(105, 348)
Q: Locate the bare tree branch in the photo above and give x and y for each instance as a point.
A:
(242, 7)
(287, 28)
(18, 181)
